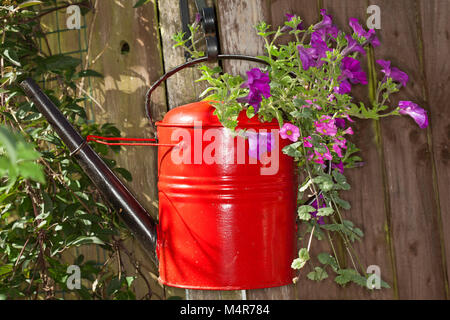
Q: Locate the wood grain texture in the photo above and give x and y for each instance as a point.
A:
(237, 32)
(435, 28)
(121, 93)
(181, 87)
(367, 194)
(414, 214)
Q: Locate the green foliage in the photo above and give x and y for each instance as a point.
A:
(48, 206)
(305, 97)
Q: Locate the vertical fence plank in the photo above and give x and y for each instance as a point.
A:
(367, 194)
(127, 75)
(408, 163)
(436, 46)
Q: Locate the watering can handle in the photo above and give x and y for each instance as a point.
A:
(194, 62)
(188, 64)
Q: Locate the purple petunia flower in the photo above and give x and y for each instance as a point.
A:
(290, 17)
(414, 111)
(370, 35)
(308, 57)
(340, 123)
(352, 46)
(312, 57)
(394, 73)
(320, 219)
(351, 70)
(258, 83)
(344, 87)
(349, 130)
(326, 22)
(326, 126)
(339, 167)
(198, 17)
(290, 131)
(259, 143)
(325, 28)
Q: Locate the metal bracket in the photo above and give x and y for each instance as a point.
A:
(209, 24)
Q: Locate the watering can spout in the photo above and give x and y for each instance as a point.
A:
(137, 219)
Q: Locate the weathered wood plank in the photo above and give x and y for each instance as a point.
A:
(127, 75)
(237, 33)
(367, 194)
(435, 28)
(408, 164)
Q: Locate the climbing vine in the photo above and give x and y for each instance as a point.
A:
(48, 206)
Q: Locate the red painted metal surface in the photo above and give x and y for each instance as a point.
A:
(222, 226)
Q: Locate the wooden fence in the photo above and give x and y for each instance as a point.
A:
(399, 197)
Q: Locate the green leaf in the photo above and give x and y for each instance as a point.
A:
(318, 274)
(303, 212)
(26, 152)
(60, 62)
(141, 3)
(11, 55)
(303, 257)
(325, 182)
(88, 73)
(28, 4)
(84, 240)
(325, 211)
(124, 173)
(350, 275)
(31, 170)
(327, 259)
(342, 203)
(8, 140)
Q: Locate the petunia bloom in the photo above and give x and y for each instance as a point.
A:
(352, 46)
(307, 142)
(338, 145)
(308, 57)
(326, 28)
(314, 204)
(414, 111)
(290, 131)
(340, 123)
(258, 83)
(394, 73)
(339, 166)
(351, 70)
(370, 35)
(326, 126)
(290, 17)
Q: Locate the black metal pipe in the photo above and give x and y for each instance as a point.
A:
(113, 190)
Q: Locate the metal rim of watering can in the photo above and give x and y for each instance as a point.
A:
(194, 62)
